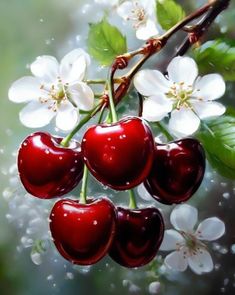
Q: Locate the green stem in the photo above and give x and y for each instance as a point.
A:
(101, 114)
(96, 81)
(66, 140)
(132, 203)
(111, 102)
(83, 193)
(165, 131)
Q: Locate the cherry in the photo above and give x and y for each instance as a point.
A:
(177, 171)
(138, 237)
(83, 233)
(46, 169)
(119, 155)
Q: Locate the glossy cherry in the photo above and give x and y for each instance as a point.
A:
(119, 155)
(46, 169)
(83, 233)
(177, 171)
(138, 237)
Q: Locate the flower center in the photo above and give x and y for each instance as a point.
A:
(193, 245)
(138, 15)
(55, 95)
(181, 94)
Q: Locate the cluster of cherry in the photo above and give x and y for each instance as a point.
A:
(120, 155)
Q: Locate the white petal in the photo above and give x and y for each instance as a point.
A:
(46, 68)
(208, 109)
(155, 108)
(211, 87)
(25, 89)
(210, 229)
(82, 95)
(125, 9)
(170, 240)
(184, 217)
(182, 69)
(147, 30)
(151, 82)
(67, 117)
(176, 261)
(73, 65)
(201, 262)
(36, 115)
(183, 122)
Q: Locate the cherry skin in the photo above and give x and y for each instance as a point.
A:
(46, 169)
(83, 233)
(177, 171)
(119, 155)
(138, 237)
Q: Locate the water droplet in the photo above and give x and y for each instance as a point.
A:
(226, 195)
(50, 278)
(36, 258)
(65, 214)
(154, 288)
(95, 222)
(60, 158)
(47, 151)
(69, 276)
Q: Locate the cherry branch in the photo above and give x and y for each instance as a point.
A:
(210, 11)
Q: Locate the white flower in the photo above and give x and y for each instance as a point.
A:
(187, 243)
(142, 14)
(55, 90)
(188, 97)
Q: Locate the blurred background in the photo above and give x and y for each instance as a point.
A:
(32, 28)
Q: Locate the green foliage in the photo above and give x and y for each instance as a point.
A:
(169, 13)
(217, 56)
(218, 139)
(105, 42)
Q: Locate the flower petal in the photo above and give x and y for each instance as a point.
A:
(73, 65)
(155, 108)
(25, 89)
(210, 229)
(184, 217)
(210, 87)
(170, 240)
(125, 10)
(201, 262)
(208, 109)
(176, 261)
(183, 122)
(151, 82)
(147, 30)
(46, 68)
(36, 115)
(67, 116)
(82, 95)
(182, 69)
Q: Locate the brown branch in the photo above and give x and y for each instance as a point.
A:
(211, 10)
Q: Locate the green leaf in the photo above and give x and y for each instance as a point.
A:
(218, 139)
(169, 13)
(105, 42)
(217, 56)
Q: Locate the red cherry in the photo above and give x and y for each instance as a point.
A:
(119, 155)
(177, 171)
(138, 237)
(83, 233)
(46, 169)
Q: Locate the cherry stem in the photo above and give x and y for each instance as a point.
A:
(66, 140)
(165, 131)
(111, 94)
(83, 193)
(132, 203)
